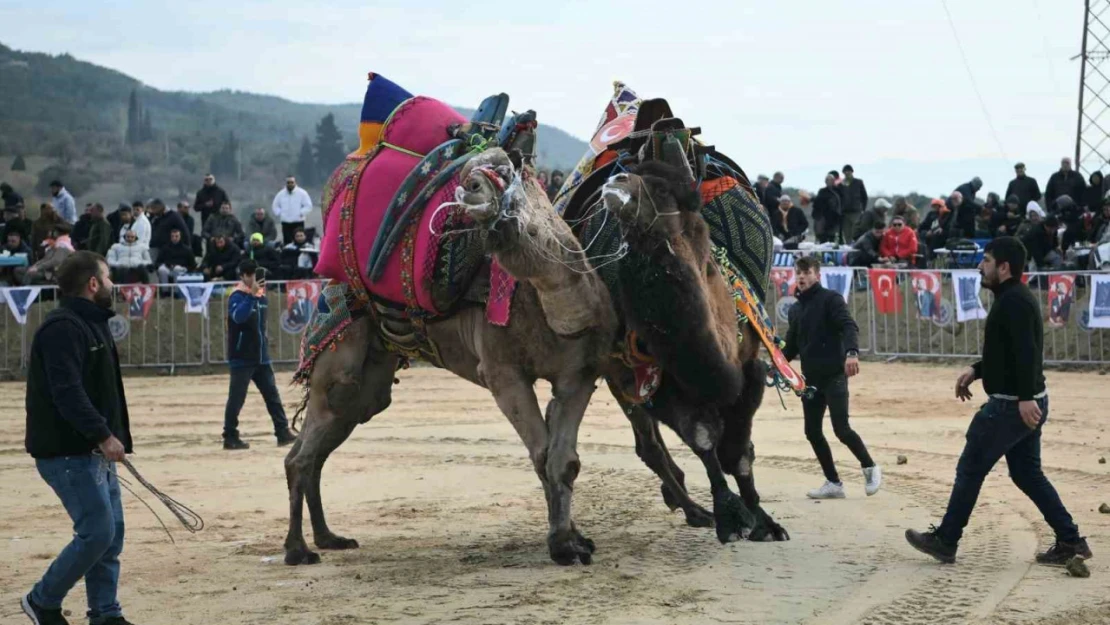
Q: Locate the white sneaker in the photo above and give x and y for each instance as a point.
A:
(873, 479)
(828, 490)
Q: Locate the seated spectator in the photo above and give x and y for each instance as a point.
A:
(129, 261)
(263, 224)
(15, 219)
(163, 222)
(827, 210)
(1101, 238)
(10, 197)
(175, 259)
(222, 260)
(1008, 220)
(1071, 214)
(299, 257)
(874, 215)
(140, 223)
(226, 223)
(80, 234)
(14, 245)
(100, 231)
(1034, 217)
(1043, 245)
(902, 208)
(43, 228)
(263, 255)
(789, 223)
(984, 220)
(899, 243)
(58, 247)
(867, 247)
(934, 228)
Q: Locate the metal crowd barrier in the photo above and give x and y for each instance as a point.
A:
(155, 330)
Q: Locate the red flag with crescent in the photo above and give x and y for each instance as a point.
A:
(884, 284)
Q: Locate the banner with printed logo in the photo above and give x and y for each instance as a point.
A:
(140, 297)
(1099, 307)
(300, 304)
(196, 296)
(1061, 295)
(967, 285)
(20, 299)
(838, 279)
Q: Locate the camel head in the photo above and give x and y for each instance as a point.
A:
(490, 182)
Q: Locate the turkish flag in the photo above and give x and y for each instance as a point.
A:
(884, 284)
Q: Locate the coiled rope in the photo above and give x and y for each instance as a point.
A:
(190, 520)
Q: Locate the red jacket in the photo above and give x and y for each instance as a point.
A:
(900, 245)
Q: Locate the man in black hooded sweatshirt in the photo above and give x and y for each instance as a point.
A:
(1010, 423)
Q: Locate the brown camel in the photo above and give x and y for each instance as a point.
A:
(563, 324)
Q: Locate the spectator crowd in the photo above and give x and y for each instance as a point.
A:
(148, 241)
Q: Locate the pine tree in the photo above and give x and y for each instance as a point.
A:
(134, 119)
(19, 164)
(306, 165)
(329, 147)
(147, 133)
(226, 162)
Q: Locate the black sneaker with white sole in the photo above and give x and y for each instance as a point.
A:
(1061, 552)
(931, 544)
(40, 615)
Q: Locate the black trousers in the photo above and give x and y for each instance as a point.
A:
(996, 431)
(263, 378)
(287, 231)
(832, 393)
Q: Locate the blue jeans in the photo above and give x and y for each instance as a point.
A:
(89, 490)
(996, 431)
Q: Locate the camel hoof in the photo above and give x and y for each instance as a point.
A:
(337, 543)
(568, 546)
(301, 555)
(733, 520)
(697, 516)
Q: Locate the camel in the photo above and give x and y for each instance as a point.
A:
(563, 325)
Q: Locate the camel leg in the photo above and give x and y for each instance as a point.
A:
(350, 385)
(570, 397)
(737, 452)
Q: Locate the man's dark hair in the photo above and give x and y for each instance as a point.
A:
(74, 272)
(56, 183)
(806, 263)
(137, 203)
(1008, 250)
(16, 233)
(248, 267)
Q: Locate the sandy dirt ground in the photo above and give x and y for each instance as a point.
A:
(451, 519)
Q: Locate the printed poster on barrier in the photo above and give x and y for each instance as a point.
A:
(300, 305)
(196, 297)
(784, 280)
(1099, 312)
(1061, 295)
(926, 292)
(20, 300)
(838, 279)
(884, 284)
(140, 297)
(967, 285)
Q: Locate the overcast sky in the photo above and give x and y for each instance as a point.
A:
(797, 85)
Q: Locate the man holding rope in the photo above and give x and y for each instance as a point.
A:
(77, 430)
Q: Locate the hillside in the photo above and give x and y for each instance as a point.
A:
(113, 138)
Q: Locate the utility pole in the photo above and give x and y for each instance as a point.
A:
(1092, 134)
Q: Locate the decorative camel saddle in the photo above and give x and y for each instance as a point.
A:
(633, 130)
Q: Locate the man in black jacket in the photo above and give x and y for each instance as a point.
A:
(824, 334)
(967, 210)
(162, 222)
(1010, 423)
(789, 222)
(77, 430)
(853, 197)
(1024, 187)
(827, 210)
(175, 260)
(1067, 181)
(209, 199)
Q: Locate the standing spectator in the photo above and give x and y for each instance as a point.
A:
(263, 224)
(1010, 423)
(827, 211)
(222, 260)
(163, 223)
(789, 223)
(8, 194)
(249, 358)
(1096, 190)
(43, 227)
(291, 205)
(263, 255)
(1044, 245)
(967, 208)
(899, 243)
(100, 231)
(57, 248)
(140, 224)
(64, 204)
(541, 177)
(299, 257)
(115, 219)
(761, 183)
(773, 192)
(874, 215)
(907, 211)
(125, 221)
(77, 430)
(130, 260)
(175, 259)
(80, 234)
(209, 199)
(823, 333)
(15, 220)
(854, 196)
(1064, 182)
(934, 228)
(867, 247)
(225, 223)
(1024, 187)
(190, 227)
(556, 183)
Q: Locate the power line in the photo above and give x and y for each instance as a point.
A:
(974, 85)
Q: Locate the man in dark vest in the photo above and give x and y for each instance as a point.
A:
(77, 430)
(249, 357)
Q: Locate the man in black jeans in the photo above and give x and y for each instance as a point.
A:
(1010, 423)
(249, 356)
(77, 430)
(823, 333)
